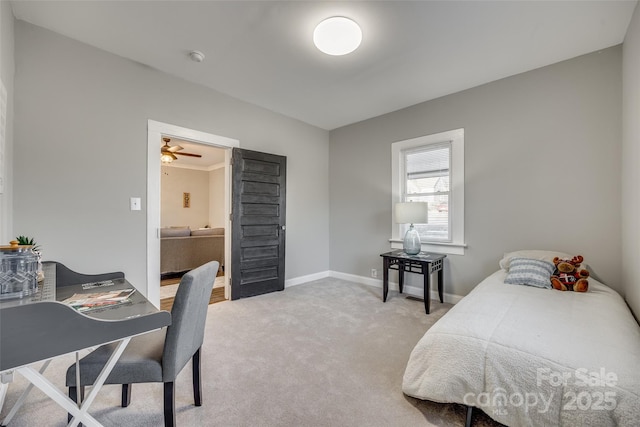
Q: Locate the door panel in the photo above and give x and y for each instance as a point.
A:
(258, 223)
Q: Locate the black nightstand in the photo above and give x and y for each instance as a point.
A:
(423, 263)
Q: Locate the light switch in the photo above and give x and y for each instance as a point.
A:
(135, 204)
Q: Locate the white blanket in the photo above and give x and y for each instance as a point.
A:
(531, 356)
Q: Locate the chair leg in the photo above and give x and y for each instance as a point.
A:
(126, 395)
(169, 405)
(197, 380)
(73, 395)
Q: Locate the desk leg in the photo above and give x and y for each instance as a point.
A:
(23, 397)
(106, 370)
(56, 395)
(3, 393)
(385, 279)
(81, 415)
(427, 288)
(401, 275)
(441, 283)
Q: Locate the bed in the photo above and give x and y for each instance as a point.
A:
(529, 356)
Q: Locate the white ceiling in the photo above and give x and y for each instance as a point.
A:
(262, 52)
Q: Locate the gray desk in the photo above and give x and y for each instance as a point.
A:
(39, 328)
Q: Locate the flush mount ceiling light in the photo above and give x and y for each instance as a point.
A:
(337, 36)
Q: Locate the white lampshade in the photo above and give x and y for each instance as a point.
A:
(337, 36)
(411, 213)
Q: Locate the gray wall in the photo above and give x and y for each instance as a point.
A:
(174, 183)
(542, 170)
(81, 149)
(7, 64)
(631, 164)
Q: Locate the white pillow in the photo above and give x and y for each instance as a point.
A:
(534, 254)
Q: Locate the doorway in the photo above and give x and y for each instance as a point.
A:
(155, 132)
(192, 220)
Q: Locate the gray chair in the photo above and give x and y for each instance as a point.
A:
(159, 356)
(67, 277)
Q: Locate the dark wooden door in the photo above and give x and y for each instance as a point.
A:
(258, 223)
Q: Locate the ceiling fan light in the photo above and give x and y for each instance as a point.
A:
(337, 36)
(167, 158)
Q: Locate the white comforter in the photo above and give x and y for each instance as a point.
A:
(531, 356)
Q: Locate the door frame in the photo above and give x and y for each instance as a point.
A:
(155, 131)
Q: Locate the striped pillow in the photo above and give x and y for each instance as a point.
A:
(531, 272)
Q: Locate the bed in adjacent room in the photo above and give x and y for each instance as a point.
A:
(534, 356)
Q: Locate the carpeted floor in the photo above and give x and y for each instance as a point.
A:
(325, 353)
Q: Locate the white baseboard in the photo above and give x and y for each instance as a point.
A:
(358, 279)
(304, 279)
(414, 291)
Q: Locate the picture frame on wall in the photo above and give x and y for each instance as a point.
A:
(186, 200)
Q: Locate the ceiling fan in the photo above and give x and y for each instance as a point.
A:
(168, 152)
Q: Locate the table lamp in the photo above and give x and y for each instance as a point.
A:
(410, 213)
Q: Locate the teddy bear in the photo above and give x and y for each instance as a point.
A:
(568, 276)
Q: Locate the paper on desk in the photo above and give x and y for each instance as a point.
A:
(91, 301)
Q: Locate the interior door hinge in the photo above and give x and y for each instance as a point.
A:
(230, 217)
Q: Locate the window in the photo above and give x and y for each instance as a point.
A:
(431, 169)
(426, 178)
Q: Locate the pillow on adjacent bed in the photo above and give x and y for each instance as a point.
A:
(208, 232)
(175, 231)
(533, 254)
(530, 272)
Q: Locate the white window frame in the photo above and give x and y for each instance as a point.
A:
(456, 197)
